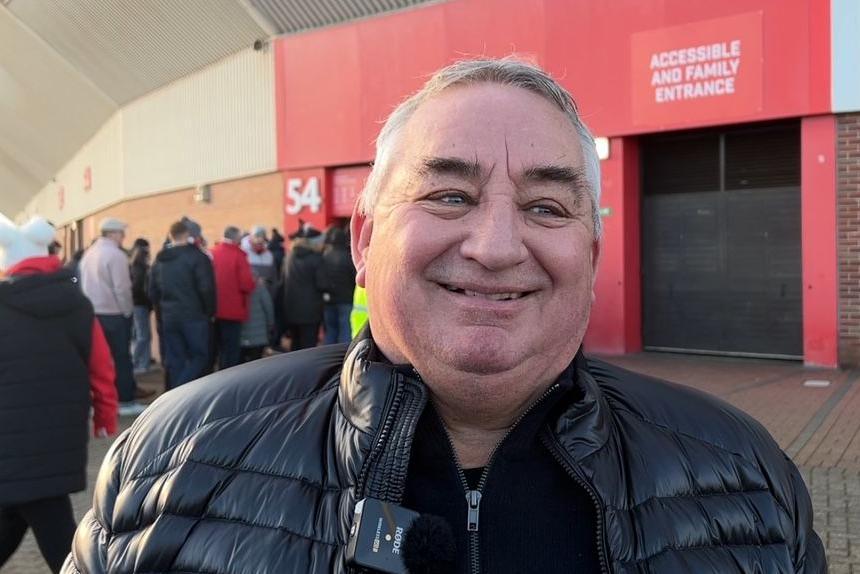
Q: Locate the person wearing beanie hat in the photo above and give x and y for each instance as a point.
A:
(54, 365)
(106, 281)
(262, 262)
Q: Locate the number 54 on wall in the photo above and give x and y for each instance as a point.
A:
(300, 197)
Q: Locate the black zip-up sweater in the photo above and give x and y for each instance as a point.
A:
(532, 516)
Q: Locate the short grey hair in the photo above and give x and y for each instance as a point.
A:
(232, 233)
(508, 71)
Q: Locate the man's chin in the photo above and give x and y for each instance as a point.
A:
(480, 356)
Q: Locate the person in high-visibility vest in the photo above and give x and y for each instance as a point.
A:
(359, 316)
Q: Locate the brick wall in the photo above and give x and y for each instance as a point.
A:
(242, 202)
(848, 191)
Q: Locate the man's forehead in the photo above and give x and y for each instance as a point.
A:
(489, 113)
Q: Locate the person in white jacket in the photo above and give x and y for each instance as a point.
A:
(259, 257)
(106, 281)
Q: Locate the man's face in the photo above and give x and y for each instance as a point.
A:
(479, 257)
(118, 237)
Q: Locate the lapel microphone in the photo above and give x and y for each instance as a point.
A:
(392, 539)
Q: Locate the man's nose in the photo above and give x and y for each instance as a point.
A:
(494, 238)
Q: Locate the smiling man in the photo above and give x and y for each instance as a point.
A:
(468, 397)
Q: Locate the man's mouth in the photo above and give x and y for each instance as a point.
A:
(498, 296)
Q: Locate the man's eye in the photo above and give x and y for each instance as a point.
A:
(451, 198)
(547, 210)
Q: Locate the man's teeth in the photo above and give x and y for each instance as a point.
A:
(491, 296)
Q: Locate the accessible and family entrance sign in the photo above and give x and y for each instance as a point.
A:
(698, 72)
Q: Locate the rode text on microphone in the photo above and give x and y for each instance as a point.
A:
(377, 534)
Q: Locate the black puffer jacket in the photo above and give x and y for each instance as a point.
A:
(182, 284)
(338, 274)
(46, 327)
(257, 469)
(303, 285)
(140, 283)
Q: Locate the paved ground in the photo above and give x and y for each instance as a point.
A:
(818, 426)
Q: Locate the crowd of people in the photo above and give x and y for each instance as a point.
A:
(246, 297)
(214, 308)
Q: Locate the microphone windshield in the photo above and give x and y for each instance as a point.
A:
(429, 547)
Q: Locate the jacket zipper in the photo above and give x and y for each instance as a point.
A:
(391, 408)
(473, 497)
(562, 458)
(393, 405)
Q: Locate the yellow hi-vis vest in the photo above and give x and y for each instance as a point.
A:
(358, 317)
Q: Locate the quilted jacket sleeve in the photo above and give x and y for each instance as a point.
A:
(90, 546)
(808, 553)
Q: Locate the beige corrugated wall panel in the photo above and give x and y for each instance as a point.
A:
(290, 16)
(131, 47)
(102, 157)
(47, 111)
(215, 125)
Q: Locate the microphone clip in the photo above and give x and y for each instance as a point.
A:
(377, 534)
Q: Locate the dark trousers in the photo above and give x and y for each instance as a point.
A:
(228, 334)
(304, 335)
(186, 344)
(159, 328)
(118, 334)
(336, 322)
(53, 525)
(252, 353)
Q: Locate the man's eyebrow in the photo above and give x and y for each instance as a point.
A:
(458, 167)
(571, 177)
(574, 177)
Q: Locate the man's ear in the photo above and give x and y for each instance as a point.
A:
(595, 259)
(360, 228)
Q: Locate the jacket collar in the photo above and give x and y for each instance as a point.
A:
(386, 401)
(583, 427)
(225, 244)
(32, 265)
(365, 384)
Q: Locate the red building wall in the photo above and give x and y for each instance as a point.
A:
(335, 86)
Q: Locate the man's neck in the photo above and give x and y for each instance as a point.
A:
(474, 447)
(475, 435)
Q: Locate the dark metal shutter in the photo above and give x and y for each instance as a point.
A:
(763, 157)
(721, 260)
(682, 164)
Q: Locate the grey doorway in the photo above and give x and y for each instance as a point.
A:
(721, 243)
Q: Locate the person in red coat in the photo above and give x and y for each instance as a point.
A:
(233, 286)
(55, 364)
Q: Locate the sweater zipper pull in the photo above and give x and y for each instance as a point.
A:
(473, 499)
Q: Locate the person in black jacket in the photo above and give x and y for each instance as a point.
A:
(54, 365)
(276, 246)
(338, 275)
(182, 286)
(141, 355)
(303, 298)
(468, 397)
